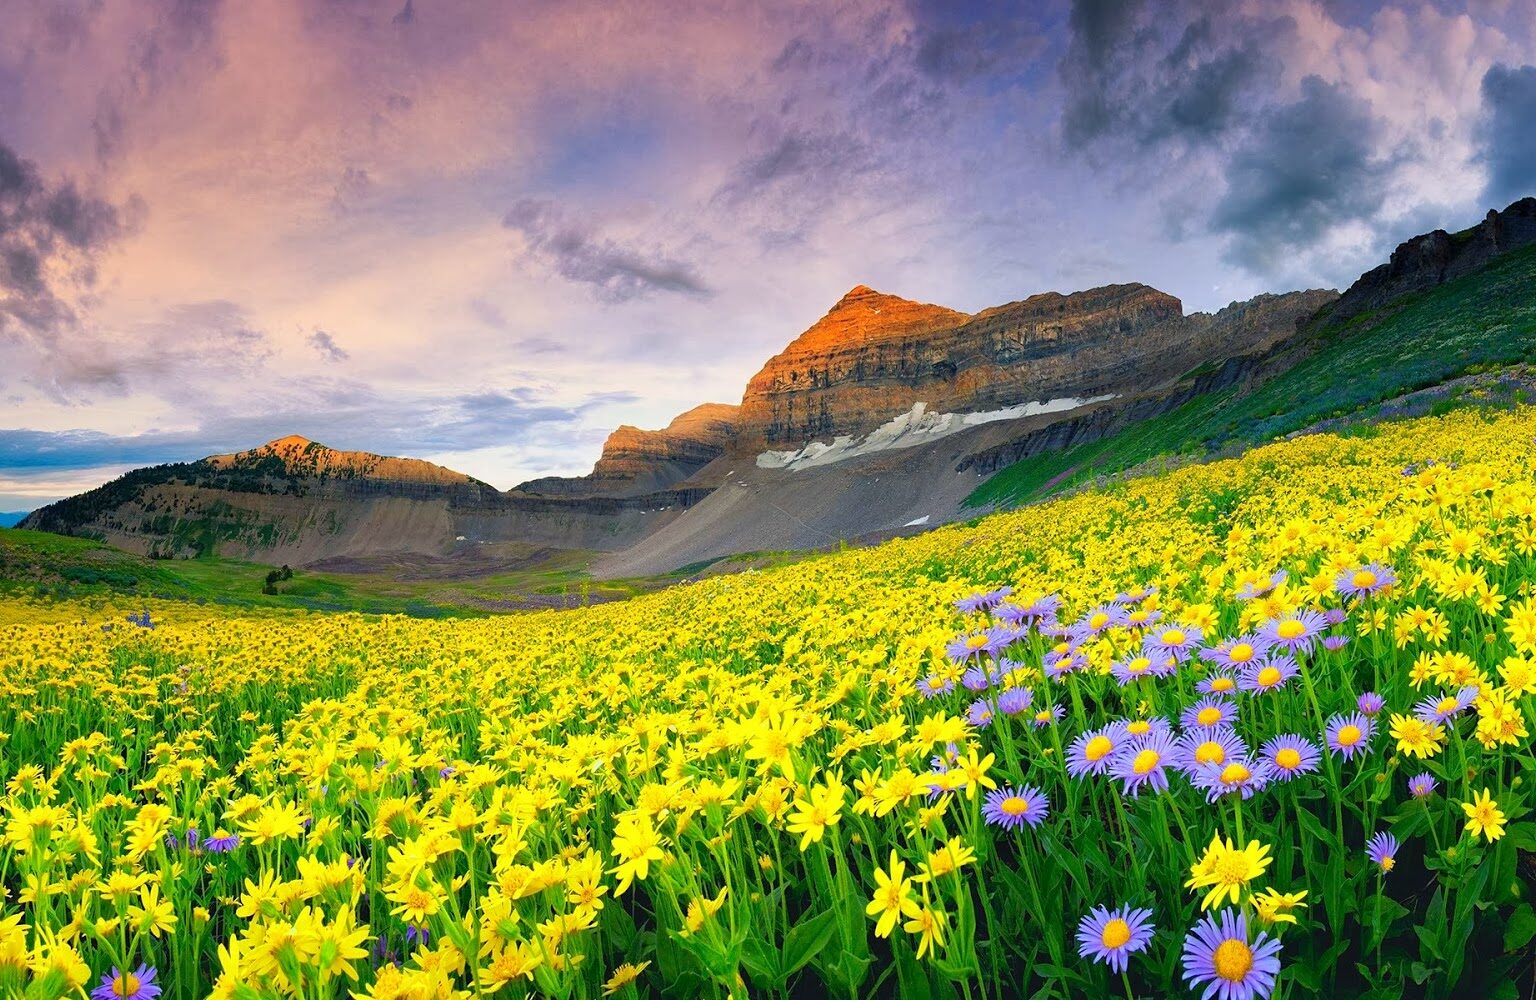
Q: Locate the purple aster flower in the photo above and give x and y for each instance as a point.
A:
(1144, 761)
(977, 679)
(222, 842)
(1235, 653)
(417, 935)
(1102, 617)
(1268, 674)
(1220, 682)
(1294, 633)
(983, 601)
(1382, 850)
(973, 646)
(1219, 956)
(1334, 643)
(1134, 668)
(172, 842)
(1145, 727)
(1059, 665)
(1441, 709)
(1176, 642)
(1349, 734)
(136, 985)
(1289, 755)
(1201, 748)
(1092, 752)
(1045, 716)
(1238, 776)
(1335, 616)
(1011, 614)
(1010, 808)
(1261, 588)
(193, 838)
(1371, 703)
(1422, 786)
(934, 685)
(1015, 700)
(1111, 936)
(1136, 594)
(1209, 711)
(1365, 580)
(979, 714)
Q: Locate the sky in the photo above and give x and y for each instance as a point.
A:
(487, 233)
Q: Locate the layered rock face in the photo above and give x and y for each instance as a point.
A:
(873, 356)
(636, 461)
(1434, 258)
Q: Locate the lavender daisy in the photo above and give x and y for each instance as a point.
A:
(1220, 682)
(1238, 776)
(1438, 710)
(1382, 850)
(1102, 617)
(1112, 936)
(221, 842)
(1268, 674)
(1092, 752)
(1422, 786)
(1209, 711)
(1370, 702)
(136, 985)
(1015, 701)
(1263, 587)
(1235, 653)
(1334, 643)
(934, 685)
(1199, 748)
(1348, 734)
(1011, 808)
(1144, 762)
(1365, 580)
(1045, 716)
(1295, 633)
(977, 679)
(1289, 756)
(979, 713)
(1219, 955)
(1136, 594)
(1177, 642)
(983, 601)
(1134, 668)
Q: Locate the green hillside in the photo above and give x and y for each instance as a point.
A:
(1483, 319)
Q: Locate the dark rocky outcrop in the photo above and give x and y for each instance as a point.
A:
(1432, 259)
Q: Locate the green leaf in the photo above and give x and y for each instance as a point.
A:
(1522, 835)
(1520, 928)
(761, 962)
(806, 939)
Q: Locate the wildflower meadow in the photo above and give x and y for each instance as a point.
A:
(1255, 728)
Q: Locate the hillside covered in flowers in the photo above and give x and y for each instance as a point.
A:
(1247, 729)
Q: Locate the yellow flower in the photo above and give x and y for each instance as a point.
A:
(892, 897)
(928, 924)
(623, 976)
(1226, 870)
(1484, 817)
(823, 807)
(635, 844)
(1415, 737)
(152, 914)
(1273, 906)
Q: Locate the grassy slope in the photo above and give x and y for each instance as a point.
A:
(39, 564)
(1481, 319)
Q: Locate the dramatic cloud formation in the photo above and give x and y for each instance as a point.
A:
(487, 233)
(1509, 133)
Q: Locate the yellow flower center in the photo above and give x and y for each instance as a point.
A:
(1208, 716)
(1210, 752)
(1139, 727)
(1445, 704)
(1221, 685)
(1291, 629)
(1232, 960)
(1139, 664)
(1098, 748)
(1098, 621)
(1388, 863)
(1269, 676)
(1242, 652)
(1364, 578)
(1146, 761)
(1288, 758)
(1015, 806)
(1116, 933)
(976, 642)
(125, 985)
(1173, 637)
(1235, 774)
(1348, 735)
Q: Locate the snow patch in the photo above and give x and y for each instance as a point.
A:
(913, 428)
(917, 522)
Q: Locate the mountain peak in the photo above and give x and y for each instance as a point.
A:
(287, 442)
